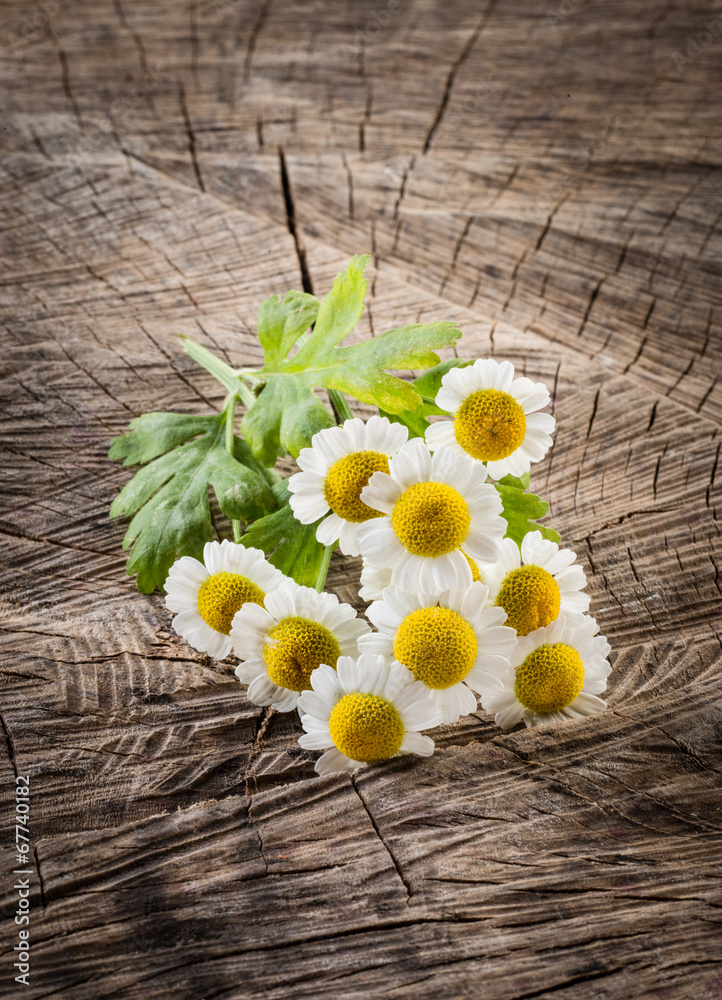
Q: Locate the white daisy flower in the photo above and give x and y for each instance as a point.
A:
(556, 674)
(439, 513)
(335, 469)
(207, 594)
(365, 711)
(447, 641)
(495, 418)
(284, 641)
(536, 585)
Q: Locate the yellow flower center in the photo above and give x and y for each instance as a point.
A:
(294, 648)
(366, 727)
(490, 425)
(437, 645)
(345, 480)
(530, 596)
(221, 595)
(550, 678)
(430, 519)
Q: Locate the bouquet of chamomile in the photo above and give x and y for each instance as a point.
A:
(471, 599)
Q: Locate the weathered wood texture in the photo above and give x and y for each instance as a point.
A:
(552, 179)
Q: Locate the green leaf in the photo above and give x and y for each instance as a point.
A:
(282, 321)
(286, 413)
(518, 482)
(290, 545)
(338, 314)
(361, 369)
(154, 434)
(521, 511)
(428, 384)
(284, 418)
(167, 499)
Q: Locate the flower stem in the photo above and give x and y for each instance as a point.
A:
(323, 568)
(340, 407)
(227, 376)
(230, 414)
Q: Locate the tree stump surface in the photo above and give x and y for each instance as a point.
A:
(550, 178)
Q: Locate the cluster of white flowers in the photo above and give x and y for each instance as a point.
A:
(460, 610)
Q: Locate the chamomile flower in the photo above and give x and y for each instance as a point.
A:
(207, 594)
(335, 469)
(556, 673)
(439, 514)
(495, 417)
(365, 711)
(447, 641)
(284, 641)
(536, 585)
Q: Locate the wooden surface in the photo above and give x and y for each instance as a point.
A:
(550, 178)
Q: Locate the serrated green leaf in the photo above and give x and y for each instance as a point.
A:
(283, 419)
(154, 434)
(518, 482)
(521, 511)
(338, 314)
(286, 414)
(289, 545)
(361, 369)
(168, 498)
(243, 454)
(428, 384)
(282, 321)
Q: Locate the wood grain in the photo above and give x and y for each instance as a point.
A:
(552, 180)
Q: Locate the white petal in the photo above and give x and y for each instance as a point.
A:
(262, 690)
(213, 557)
(316, 741)
(421, 714)
(509, 717)
(188, 568)
(440, 434)
(314, 706)
(418, 744)
(333, 761)
(325, 682)
(348, 539)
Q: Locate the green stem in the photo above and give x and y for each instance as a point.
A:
(227, 376)
(340, 406)
(218, 369)
(245, 395)
(230, 413)
(323, 568)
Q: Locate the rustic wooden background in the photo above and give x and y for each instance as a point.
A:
(549, 176)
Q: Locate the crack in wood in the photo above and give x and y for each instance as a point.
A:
(291, 223)
(459, 62)
(263, 12)
(190, 135)
(374, 824)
